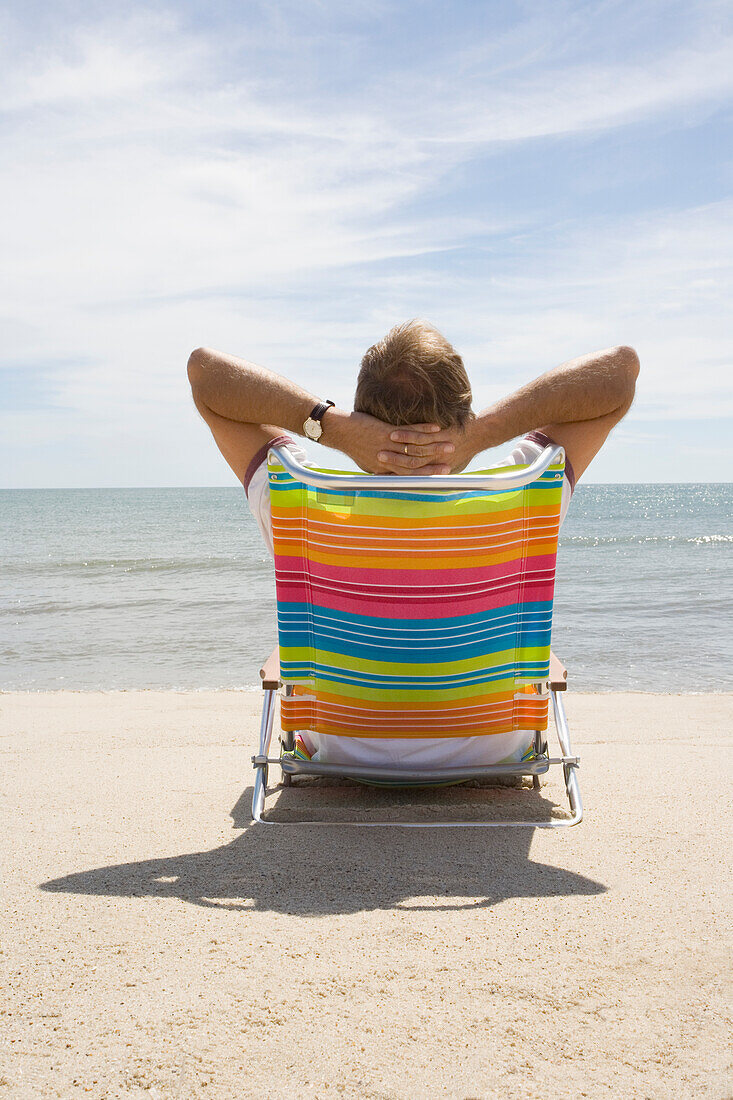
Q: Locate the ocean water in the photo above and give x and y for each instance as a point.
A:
(172, 588)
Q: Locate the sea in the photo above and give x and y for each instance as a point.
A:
(106, 589)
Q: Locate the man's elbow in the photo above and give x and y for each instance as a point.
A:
(197, 361)
(628, 370)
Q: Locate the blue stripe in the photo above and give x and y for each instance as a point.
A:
(477, 620)
(415, 641)
(432, 653)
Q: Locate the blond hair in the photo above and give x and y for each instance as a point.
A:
(414, 376)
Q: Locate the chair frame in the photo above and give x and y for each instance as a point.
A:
(555, 683)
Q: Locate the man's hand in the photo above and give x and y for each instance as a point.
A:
(371, 444)
(413, 441)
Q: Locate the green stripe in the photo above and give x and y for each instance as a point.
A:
(348, 663)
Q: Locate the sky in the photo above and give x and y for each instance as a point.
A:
(284, 181)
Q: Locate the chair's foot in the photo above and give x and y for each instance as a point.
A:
(535, 782)
(287, 780)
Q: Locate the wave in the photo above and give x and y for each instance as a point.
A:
(172, 604)
(92, 566)
(263, 564)
(639, 540)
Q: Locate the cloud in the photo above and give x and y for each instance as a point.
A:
(585, 97)
(172, 187)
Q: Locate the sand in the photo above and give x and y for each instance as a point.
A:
(155, 944)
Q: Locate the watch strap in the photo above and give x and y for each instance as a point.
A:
(320, 409)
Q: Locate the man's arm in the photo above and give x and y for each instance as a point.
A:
(245, 406)
(576, 405)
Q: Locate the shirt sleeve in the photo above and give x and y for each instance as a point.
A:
(257, 486)
(531, 447)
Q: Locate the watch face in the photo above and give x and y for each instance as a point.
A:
(313, 429)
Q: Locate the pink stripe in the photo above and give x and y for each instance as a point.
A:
(415, 607)
(396, 581)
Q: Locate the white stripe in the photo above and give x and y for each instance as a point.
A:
(458, 725)
(391, 534)
(406, 684)
(458, 712)
(476, 547)
(510, 580)
(444, 645)
(332, 627)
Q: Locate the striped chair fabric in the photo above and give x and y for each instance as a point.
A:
(414, 615)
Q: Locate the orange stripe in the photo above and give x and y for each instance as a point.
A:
(336, 520)
(360, 543)
(350, 717)
(504, 725)
(371, 724)
(422, 729)
(425, 706)
(447, 559)
(453, 533)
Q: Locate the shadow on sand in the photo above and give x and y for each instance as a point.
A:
(333, 870)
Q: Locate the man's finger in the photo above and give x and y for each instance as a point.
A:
(411, 461)
(423, 451)
(421, 472)
(401, 461)
(417, 434)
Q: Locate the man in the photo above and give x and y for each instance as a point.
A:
(412, 414)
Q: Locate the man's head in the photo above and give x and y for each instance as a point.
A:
(414, 376)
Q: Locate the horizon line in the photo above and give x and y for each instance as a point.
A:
(104, 488)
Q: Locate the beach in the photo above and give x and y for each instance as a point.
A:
(156, 944)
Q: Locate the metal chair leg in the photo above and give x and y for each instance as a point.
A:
(260, 761)
(572, 788)
(538, 751)
(287, 741)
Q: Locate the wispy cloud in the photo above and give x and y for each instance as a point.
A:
(172, 185)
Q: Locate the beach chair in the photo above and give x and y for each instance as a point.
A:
(415, 607)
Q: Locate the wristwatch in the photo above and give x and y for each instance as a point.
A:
(313, 428)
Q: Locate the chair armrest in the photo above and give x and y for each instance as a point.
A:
(270, 671)
(558, 674)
